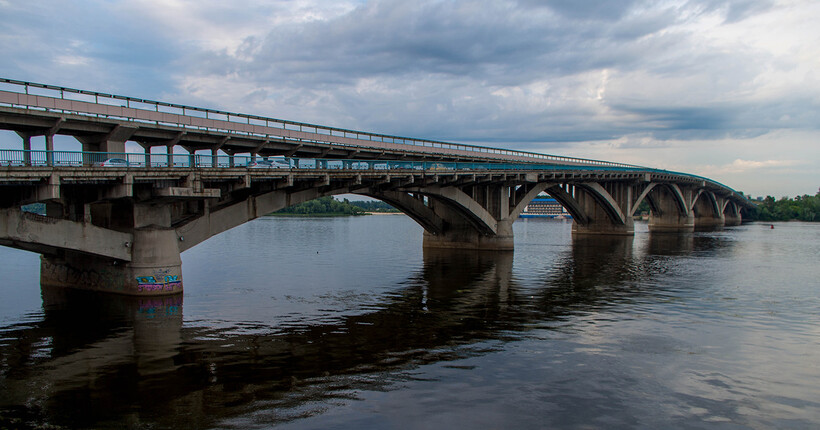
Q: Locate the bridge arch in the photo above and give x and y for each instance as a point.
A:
(669, 209)
(606, 201)
(731, 213)
(411, 206)
(664, 198)
(596, 209)
(465, 206)
(527, 197)
(705, 204)
(561, 194)
(708, 212)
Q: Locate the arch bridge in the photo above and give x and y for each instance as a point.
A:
(121, 225)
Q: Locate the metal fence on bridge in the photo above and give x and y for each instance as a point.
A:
(41, 158)
(12, 158)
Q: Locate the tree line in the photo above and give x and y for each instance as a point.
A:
(802, 208)
(326, 206)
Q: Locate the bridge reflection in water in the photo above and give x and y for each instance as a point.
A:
(100, 360)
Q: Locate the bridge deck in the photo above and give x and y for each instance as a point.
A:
(36, 108)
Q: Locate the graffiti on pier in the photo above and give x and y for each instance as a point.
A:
(158, 283)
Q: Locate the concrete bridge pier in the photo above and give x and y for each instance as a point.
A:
(708, 213)
(670, 212)
(118, 245)
(155, 267)
(601, 209)
(461, 235)
(709, 223)
(731, 213)
(471, 218)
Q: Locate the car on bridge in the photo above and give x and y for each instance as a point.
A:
(438, 167)
(269, 164)
(112, 162)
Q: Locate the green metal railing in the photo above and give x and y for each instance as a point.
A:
(42, 158)
(10, 158)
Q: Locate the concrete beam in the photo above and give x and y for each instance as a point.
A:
(23, 227)
(186, 193)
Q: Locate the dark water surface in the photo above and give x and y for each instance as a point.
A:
(347, 323)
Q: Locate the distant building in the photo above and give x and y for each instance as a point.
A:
(544, 207)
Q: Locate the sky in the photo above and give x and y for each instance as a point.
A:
(727, 89)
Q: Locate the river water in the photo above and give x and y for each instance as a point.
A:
(317, 323)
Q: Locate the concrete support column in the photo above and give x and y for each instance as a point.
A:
(50, 149)
(606, 211)
(668, 215)
(146, 150)
(111, 146)
(112, 142)
(26, 148)
(155, 267)
(732, 220)
(708, 216)
(709, 223)
(462, 228)
(731, 215)
(462, 235)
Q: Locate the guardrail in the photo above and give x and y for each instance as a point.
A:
(42, 158)
(237, 123)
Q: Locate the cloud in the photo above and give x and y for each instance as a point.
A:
(741, 165)
(522, 71)
(491, 71)
(624, 76)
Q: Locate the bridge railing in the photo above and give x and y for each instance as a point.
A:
(42, 158)
(10, 158)
(189, 117)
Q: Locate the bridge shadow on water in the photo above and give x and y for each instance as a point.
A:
(110, 361)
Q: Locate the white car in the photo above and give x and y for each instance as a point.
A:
(269, 164)
(112, 162)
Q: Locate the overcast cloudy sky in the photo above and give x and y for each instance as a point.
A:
(728, 89)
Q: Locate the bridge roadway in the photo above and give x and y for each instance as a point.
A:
(122, 229)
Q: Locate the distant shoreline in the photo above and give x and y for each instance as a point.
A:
(313, 215)
(329, 215)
